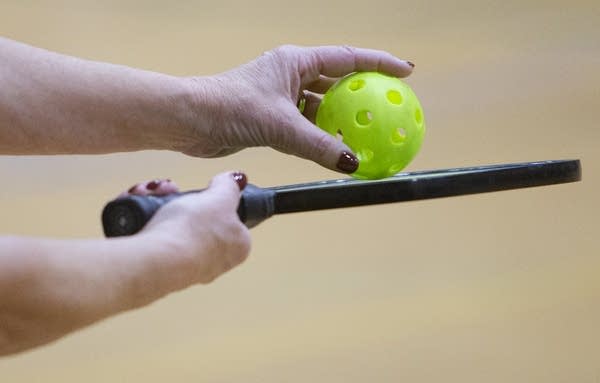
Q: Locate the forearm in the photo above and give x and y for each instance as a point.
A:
(52, 103)
(49, 288)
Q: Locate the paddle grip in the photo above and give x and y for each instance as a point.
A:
(128, 215)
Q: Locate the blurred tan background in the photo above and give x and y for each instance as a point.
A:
(497, 287)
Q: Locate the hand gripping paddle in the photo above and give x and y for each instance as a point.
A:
(128, 215)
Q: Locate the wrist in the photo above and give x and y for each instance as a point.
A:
(202, 105)
(171, 111)
(149, 269)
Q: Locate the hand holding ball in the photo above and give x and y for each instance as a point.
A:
(378, 117)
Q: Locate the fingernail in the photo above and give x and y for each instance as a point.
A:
(132, 189)
(241, 179)
(152, 185)
(411, 64)
(348, 163)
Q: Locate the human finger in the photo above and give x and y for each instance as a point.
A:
(312, 102)
(227, 187)
(305, 140)
(322, 84)
(153, 187)
(338, 61)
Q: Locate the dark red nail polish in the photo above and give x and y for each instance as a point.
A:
(132, 189)
(348, 163)
(153, 185)
(241, 179)
(411, 64)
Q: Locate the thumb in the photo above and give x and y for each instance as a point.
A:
(227, 187)
(308, 141)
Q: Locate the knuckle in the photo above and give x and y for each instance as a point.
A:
(349, 49)
(239, 243)
(321, 146)
(244, 245)
(287, 57)
(236, 242)
(286, 49)
(351, 52)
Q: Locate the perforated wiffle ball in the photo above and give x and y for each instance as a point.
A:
(378, 117)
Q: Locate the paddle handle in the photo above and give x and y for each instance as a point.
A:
(128, 215)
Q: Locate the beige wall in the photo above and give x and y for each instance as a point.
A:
(498, 287)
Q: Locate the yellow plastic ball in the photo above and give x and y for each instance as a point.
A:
(378, 117)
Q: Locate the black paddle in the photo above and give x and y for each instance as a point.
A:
(128, 215)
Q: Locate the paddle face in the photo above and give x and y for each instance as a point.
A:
(128, 215)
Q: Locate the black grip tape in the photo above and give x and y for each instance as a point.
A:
(128, 215)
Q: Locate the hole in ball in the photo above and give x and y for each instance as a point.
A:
(364, 117)
(356, 85)
(419, 116)
(399, 136)
(395, 168)
(364, 155)
(394, 97)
